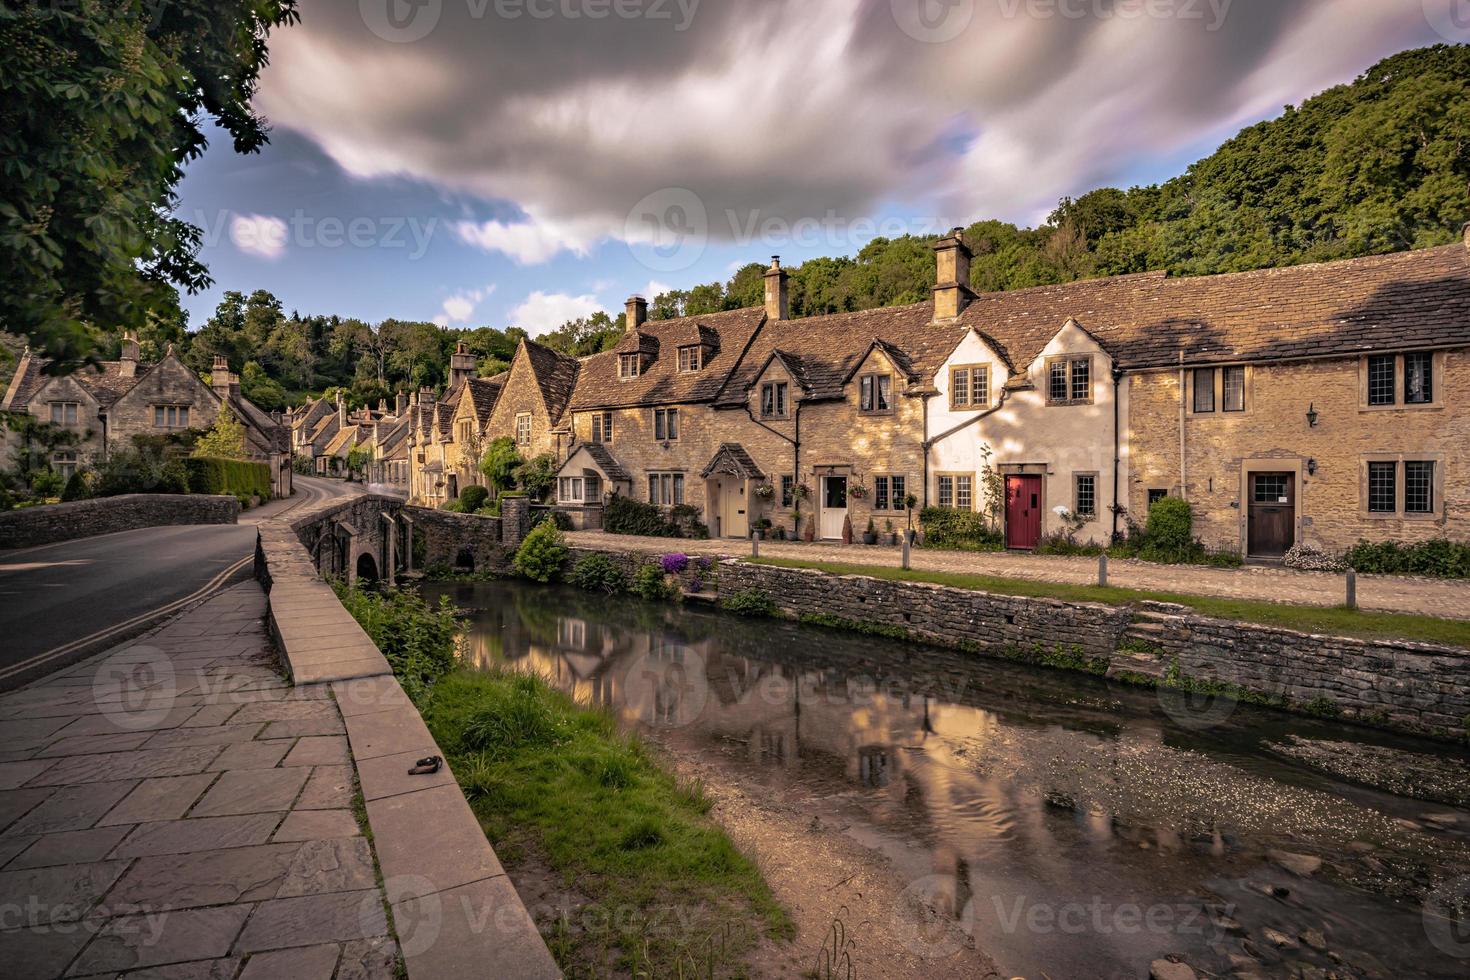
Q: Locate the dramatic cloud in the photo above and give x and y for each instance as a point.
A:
(547, 311)
(795, 109)
(258, 234)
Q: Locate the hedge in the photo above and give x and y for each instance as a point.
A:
(234, 477)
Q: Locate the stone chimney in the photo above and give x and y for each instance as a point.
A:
(128, 362)
(778, 303)
(462, 365)
(400, 403)
(341, 411)
(219, 377)
(952, 292)
(637, 313)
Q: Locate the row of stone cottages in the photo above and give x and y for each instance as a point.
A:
(1317, 404)
(109, 403)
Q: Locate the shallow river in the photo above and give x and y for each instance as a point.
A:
(1073, 828)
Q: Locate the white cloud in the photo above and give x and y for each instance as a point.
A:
(527, 242)
(546, 311)
(654, 288)
(258, 234)
(461, 306)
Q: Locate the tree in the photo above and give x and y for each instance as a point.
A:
(537, 476)
(100, 106)
(261, 388)
(225, 439)
(499, 464)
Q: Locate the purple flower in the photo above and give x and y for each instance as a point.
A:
(703, 563)
(674, 564)
(695, 585)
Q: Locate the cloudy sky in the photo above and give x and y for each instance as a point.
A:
(497, 162)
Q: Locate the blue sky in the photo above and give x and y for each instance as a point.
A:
(490, 167)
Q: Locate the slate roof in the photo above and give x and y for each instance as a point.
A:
(732, 458)
(556, 374)
(484, 393)
(661, 383)
(605, 461)
(1406, 299)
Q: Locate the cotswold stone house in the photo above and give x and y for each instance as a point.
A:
(1314, 404)
(108, 404)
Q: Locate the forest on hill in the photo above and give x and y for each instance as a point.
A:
(1378, 165)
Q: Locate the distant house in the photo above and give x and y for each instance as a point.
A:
(110, 403)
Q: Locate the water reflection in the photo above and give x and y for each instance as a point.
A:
(1070, 826)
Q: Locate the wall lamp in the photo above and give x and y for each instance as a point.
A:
(1312, 415)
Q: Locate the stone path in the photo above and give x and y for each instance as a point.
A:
(1448, 599)
(176, 809)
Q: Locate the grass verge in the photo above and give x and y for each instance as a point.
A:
(668, 893)
(1333, 621)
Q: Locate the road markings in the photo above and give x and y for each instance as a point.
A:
(212, 585)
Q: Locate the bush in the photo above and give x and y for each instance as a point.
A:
(624, 515)
(472, 498)
(750, 602)
(649, 583)
(561, 519)
(416, 639)
(76, 487)
(46, 483)
(140, 471)
(1060, 543)
(945, 527)
(542, 555)
(232, 477)
(304, 465)
(1439, 558)
(1170, 525)
(453, 505)
(597, 573)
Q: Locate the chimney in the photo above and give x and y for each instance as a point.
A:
(637, 313)
(461, 365)
(341, 411)
(952, 292)
(778, 304)
(382, 407)
(219, 377)
(128, 362)
(400, 402)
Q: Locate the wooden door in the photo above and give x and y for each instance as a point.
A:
(834, 506)
(734, 522)
(1023, 511)
(1271, 520)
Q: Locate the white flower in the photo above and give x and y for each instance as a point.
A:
(1062, 511)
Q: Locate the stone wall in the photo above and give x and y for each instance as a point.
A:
(449, 538)
(47, 524)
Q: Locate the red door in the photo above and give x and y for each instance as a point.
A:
(1023, 511)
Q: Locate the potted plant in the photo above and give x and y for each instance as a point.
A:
(890, 532)
(760, 527)
(909, 503)
(795, 516)
(800, 492)
(858, 491)
(765, 491)
(870, 536)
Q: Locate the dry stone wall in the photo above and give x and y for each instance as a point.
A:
(30, 526)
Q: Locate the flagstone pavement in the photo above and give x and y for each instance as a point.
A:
(175, 808)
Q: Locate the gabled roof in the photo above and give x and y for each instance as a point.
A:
(661, 382)
(556, 375)
(732, 458)
(1406, 299)
(792, 364)
(605, 461)
(341, 441)
(483, 394)
(103, 381)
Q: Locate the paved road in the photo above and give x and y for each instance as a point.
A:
(60, 602)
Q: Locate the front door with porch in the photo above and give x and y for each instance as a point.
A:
(731, 507)
(1023, 511)
(1271, 520)
(834, 507)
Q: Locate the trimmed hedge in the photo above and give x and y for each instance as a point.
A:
(233, 477)
(1439, 558)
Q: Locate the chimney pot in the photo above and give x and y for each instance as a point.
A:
(778, 302)
(637, 313)
(952, 292)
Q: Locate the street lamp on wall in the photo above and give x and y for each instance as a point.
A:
(1312, 416)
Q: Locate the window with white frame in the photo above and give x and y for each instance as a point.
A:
(571, 490)
(689, 358)
(955, 490)
(665, 424)
(65, 413)
(171, 416)
(629, 366)
(666, 489)
(523, 429)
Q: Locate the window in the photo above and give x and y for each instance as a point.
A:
(666, 489)
(523, 429)
(1271, 488)
(1204, 389)
(1069, 381)
(689, 358)
(1382, 488)
(956, 490)
(1154, 496)
(1084, 500)
(602, 427)
(171, 416)
(628, 366)
(665, 424)
(888, 491)
(64, 413)
(788, 484)
(64, 462)
(571, 489)
(1419, 486)
(969, 387)
(1380, 379)
(773, 400)
(875, 393)
(1232, 389)
(1418, 379)
(466, 431)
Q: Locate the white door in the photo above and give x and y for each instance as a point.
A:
(734, 519)
(833, 506)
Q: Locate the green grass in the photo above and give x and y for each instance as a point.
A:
(547, 776)
(1330, 620)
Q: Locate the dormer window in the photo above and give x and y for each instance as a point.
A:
(689, 358)
(628, 366)
(773, 400)
(875, 394)
(1069, 381)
